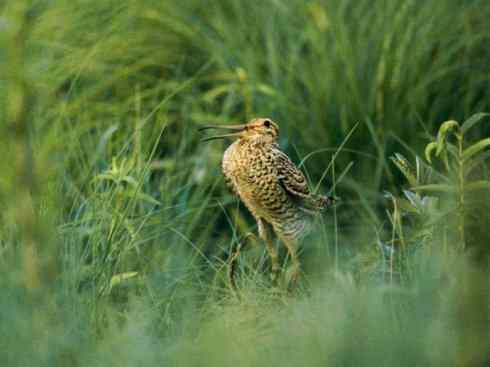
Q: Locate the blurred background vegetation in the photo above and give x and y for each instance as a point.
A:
(116, 227)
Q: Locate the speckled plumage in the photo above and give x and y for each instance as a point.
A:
(273, 189)
(258, 173)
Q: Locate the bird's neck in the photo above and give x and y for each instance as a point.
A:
(257, 141)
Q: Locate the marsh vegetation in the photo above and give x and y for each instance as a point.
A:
(115, 223)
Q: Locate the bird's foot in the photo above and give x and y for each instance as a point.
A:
(292, 277)
(275, 276)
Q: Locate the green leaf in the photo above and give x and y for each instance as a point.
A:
(478, 185)
(142, 197)
(265, 89)
(414, 199)
(445, 129)
(436, 187)
(428, 151)
(475, 148)
(404, 166)
(407, 206)
(119, 278)
(473, 120)
(214, 93)
(445, 160)
(104, 177)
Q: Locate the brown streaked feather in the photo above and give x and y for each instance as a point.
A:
(289, 176)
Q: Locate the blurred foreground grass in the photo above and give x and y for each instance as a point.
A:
(115, 226)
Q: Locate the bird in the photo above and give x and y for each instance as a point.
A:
(271, 187)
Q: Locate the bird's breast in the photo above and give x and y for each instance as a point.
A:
(249, 166)
(251, 172)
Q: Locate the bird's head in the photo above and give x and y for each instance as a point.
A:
(258, 129)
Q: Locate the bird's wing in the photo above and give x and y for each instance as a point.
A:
(290, 177)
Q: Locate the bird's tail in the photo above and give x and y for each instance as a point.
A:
(318, 203)
(324, 202)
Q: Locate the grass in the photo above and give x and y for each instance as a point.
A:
(116, 227)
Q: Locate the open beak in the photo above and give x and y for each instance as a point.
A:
(237, 128)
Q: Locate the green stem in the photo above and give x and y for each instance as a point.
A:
(461, 191)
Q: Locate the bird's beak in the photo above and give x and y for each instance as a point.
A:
(237, 128)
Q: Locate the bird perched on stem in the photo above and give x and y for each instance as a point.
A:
(273, 189)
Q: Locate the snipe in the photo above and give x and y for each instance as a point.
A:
(273, 189)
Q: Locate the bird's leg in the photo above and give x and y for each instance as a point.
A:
(265, 234)
(296, 266)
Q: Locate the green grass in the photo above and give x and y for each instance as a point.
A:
(116, 227)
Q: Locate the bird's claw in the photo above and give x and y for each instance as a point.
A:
(275, 276)
(292, 276)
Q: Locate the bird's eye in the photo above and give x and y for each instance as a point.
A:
(267, 123)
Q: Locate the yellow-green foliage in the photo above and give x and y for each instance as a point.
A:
(115, 224)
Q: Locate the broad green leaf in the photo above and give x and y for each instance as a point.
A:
(473, 120)
(413, 198)
(475, 148)
(478, 185)
(436, 187)
(428, 151)
(104, 177)
(119, 278)
(406, 206)
(445, 128)
(404, 166)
